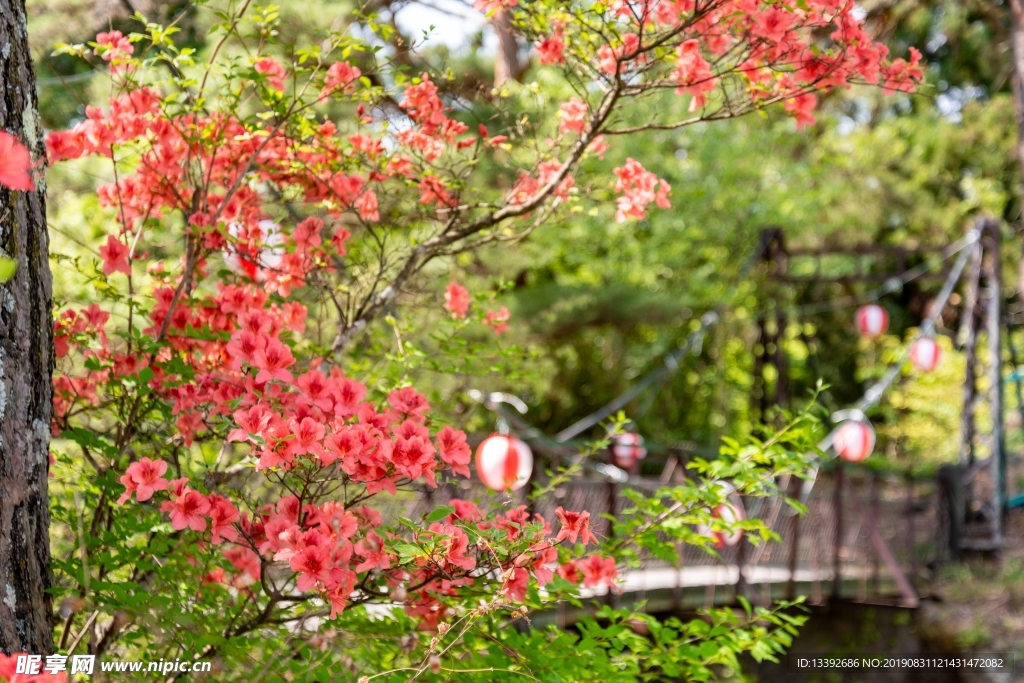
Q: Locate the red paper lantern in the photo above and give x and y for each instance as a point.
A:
(627, 449)
(925, 354)
(731, 510)
(872, 321)
(854, 441)
(503, 462)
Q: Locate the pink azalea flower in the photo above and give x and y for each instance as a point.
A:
(598, 571)
(223, 515)
(373, 552)
(144, 478)
(456, 300)
(115, 257)
(313, 565)
(272, 361)
(497, 320)
(552, 49)
(187, 510)
(340, 76)
(453, 449)
(573, 116)
(574, 524)
(272, 69)
(309, 436)
(407, 402)
(255, 420)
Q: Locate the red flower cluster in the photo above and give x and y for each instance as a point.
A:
(225, 358)
(639, 187)
(329, 547)
(768, 46)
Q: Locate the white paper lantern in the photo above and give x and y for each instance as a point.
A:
(872, 321)
(503, 462)
(627, 449)
(729, 511)
(925, 354)
(253, 264)
(854, 440)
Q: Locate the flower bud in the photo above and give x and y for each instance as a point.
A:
(434, 662)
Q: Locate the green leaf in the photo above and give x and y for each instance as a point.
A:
(439, 514)
(407, 549)
(8, 266)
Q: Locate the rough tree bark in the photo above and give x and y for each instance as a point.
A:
(26, 360)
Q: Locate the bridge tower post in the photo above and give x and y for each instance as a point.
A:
(769, 348)
(981, 472)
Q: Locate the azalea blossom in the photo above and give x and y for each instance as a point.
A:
(453, 449)
(223, 515)
(552, 49)
(802, 107)
(313, 566)
(407, 402)
(272, 69)
(272, 361)
(187, 510)
(340, 76)
(570, 571)
(497, 320)
(373, 552)
(144, 478)
(112, 45)
(572, 116)
(574, 524)
(115, 257)
(598, 571)
(639, 188)
(456, 300)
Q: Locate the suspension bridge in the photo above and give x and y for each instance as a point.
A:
(865, 536)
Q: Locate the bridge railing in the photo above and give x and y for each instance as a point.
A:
(869, 515)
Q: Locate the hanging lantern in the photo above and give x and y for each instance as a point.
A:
(854, 440)
(872, 321)
(628, 449)
(925, 354)
(504, 462)
(266, 250)
(729, 511)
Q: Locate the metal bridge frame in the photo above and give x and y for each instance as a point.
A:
(975, 488)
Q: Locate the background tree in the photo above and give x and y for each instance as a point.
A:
(26, 354)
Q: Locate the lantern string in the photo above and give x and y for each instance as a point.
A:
(694, 341)
(875, 392)
(890, 286)
(670, 363)
(668, 366)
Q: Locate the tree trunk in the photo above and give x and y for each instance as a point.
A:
(507, 65)
(26, 361)
(1017, 40)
